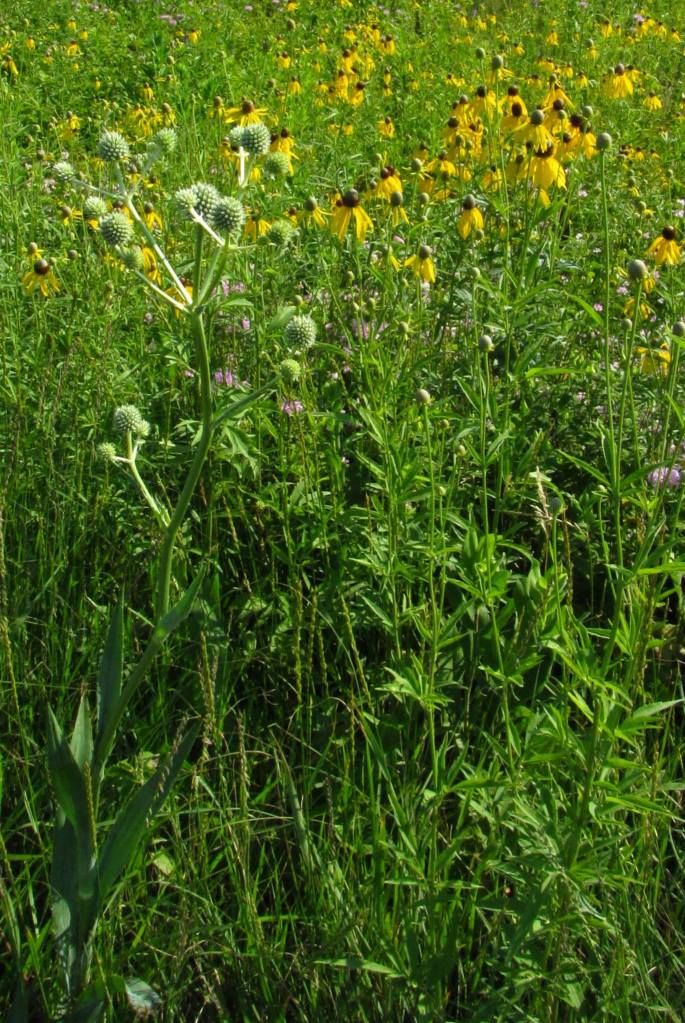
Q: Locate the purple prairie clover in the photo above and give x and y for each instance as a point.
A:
(225, 378)
(664, 477)
(292, 407)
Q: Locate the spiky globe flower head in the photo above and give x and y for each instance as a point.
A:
(133, 258)
(94, 208)
(300, 331)
(185, 202)
(127, 419)
(281, 232)
(256, 139)
(165, 141)
(107, 452)
(63, 172)
(277, 165)
(116, 229)
(205, 198)
(228, 214)
(235, 136)
(291, 371)
(113, 146)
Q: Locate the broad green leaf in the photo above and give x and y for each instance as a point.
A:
(67, 779)
(129, 827)
(143, 999)
(111, 668)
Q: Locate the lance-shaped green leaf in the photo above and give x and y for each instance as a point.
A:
(143, 999)
(67, 780)
(111, 669)
(81, 744)
(129, 827)
(171, 620)
(19, 1009)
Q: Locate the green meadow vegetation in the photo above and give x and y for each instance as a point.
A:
(341, 547)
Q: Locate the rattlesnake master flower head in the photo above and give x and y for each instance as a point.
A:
(113, 146)
(277, 165)
(256, 139)
(116, 229)
(107, 452)
(281, 232)
(165, 141)
(205, 199)
(127, 419)
(235, 136)
(133, 258)
(291, 371)
(94, 208)
(228, 215)
(185, 202)
(63, 172)
(300, 331)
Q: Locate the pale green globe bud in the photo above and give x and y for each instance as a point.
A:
(228, 215)
(281, 232)
(165, 141)
(256, 139)
(127, 419)
(113, 146)
(107, 452)
(300, 331)
(63, 172)
(133, 258)
(116, 229)
(277, 165)
(291, 371)
(94, 208)
(205, 198)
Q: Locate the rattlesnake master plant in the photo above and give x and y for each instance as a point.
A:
(88, 857)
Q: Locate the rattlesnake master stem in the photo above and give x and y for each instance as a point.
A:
(256, 139)
(228, 215)
(127, 419)
(300, 331)
(94, 208)
(113, 146)
(116, 229)
(277, 165)
(63, 172)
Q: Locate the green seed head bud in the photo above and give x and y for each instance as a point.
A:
(63, 172)
(678, 328)
(424, 198)
(116, 229)
(404, 328)
(133, 258)
(300, 331)
(485, 343)
(497, 62)
(165, 141)
(205, 198)
(480, 53)
(291, 371)
(256, 139)
(425, 252)
(587, 111)
(127, 419)
(637, 270)
(626, 324)
(311, 204)
(113, 146)
(94, 208)
(537, 117)
(281, 233)
(422, 396)
(277, 165)
(469, 202)
(604, 141)
(107, 452)
(396, 199)
(228, 215)
(416, 165)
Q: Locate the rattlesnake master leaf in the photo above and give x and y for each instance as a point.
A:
(116, 229)
(228, 215)
(113, 146)
(256, 139)
(127, 419)
(300, 331)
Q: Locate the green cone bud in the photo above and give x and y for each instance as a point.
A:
(300, 331)
(228, 215)
(116, 229)
(113, 146)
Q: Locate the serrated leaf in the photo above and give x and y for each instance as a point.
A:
(143, 999)
(111, 669)
(129, 827)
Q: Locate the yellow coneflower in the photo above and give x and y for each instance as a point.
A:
(73, 49)
(655, 361)
(652, 102)
(68, 215)
(545, 170)
(294, 86)
(470, 218)
(311, 213)
(255, 226)
(30, 43)
(398, 214)
(147, 93)
(246, 113)
(492, 180)
(356, 97)
(618, 85)
(9, 67)
(152, 217)
(665, 248)
(422, 264)
(348, 209)
(535, 131)
(386, 128)
(515, 119)
(150, 267)
(143, 120)
(484, 102)
(388, 182)
(554, 94)
(284, 60)
(40, 277)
